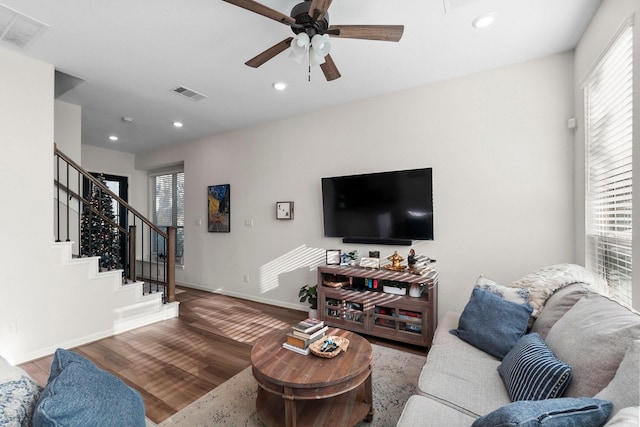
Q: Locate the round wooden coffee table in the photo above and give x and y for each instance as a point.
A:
(311, 390)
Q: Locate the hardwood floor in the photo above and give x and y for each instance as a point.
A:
(174, 362)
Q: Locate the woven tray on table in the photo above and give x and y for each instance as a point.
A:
(342, 343)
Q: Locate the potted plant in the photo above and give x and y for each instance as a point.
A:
(394, 287)
(349, 258)
(309, 293)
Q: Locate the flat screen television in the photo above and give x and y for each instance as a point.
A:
(386, 208)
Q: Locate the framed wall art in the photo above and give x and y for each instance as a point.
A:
(284, 210)
(333, 256)
(370, 262)
(219, 213)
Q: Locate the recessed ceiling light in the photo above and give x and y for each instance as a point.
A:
(484, 20)
(113, 138)
(177, 124)
(279, 86)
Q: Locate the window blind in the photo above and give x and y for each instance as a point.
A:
(168, 209)
(609, 143)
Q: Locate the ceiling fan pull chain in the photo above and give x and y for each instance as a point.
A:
(309, 73)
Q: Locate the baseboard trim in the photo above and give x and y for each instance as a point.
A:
(167, 311)
(228, 293)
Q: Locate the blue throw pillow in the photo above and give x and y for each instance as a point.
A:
(564, 412)
(79, 394)
(530, 371)
(491, 323)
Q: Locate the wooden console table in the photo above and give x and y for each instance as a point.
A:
(411, 320)
(311, 390)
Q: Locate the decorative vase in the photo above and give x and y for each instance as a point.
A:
(415, 290)
(313, 313)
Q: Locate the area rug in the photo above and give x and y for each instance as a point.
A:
(395, 375)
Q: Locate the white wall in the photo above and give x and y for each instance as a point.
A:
(599, 35)
(68, 129)
(502, 158)
(26, 171)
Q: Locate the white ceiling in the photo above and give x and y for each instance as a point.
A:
(131, 53)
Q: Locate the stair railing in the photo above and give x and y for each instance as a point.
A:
(156, 248)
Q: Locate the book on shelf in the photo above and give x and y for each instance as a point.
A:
(304, 351)
(316, 334)
(302, 342)
(308, 326)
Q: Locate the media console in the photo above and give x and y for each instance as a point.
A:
(348, 299)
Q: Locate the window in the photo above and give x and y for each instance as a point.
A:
(168, 209)
(608, 95)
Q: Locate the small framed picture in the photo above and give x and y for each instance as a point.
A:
(333, 256)
(284, 210)
(370, 262)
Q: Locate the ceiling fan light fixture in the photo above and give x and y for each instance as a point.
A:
(299, 47)
(321, 44)
(315, 58)
(302, 40)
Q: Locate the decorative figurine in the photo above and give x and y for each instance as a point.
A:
(411, 259)
(395, 262)
(419, 264)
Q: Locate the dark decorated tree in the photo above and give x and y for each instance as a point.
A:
(99, 235)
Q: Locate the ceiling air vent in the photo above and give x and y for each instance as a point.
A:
(188, 93)
(17, 29)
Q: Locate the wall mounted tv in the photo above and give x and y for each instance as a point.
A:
(385, 208)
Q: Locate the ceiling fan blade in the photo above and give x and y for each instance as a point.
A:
(388, 33)
(329, 69)
(263, 10)
(318, 9)
(263, 57)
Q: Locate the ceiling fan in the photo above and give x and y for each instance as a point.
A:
(309, 21)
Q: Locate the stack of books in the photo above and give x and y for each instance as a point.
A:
(304, 333)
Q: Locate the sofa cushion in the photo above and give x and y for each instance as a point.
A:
(556, 306)
(530, 371)
(626, 417)
(420, 410)
(592, 338)
(78, 393)
(564, 412)
(624, 388)
(491, 323)
(456, 373)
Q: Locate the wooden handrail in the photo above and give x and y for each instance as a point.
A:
(91, 208)
(130, 235)
(105, 188)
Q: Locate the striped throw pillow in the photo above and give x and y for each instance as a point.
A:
(530, 371)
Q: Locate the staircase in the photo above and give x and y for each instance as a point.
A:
(92, 302)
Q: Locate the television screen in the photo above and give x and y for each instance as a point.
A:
(385, 205)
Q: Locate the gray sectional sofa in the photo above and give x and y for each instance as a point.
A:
(596, 337)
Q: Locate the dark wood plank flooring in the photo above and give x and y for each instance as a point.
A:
(174, 362)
